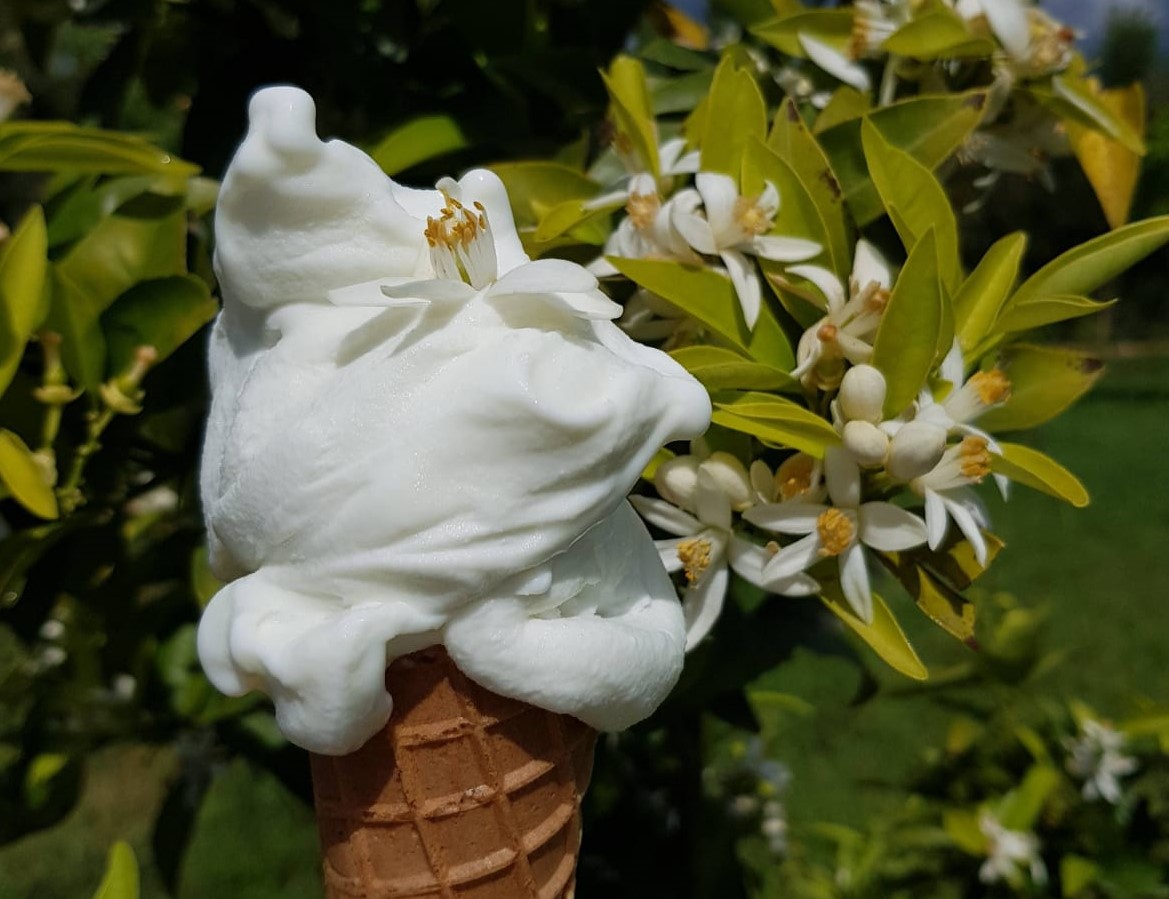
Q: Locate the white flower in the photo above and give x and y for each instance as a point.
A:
(845, 333)
(947, 494)
(672, 161)
(463, 255)
(734, 228)
(840, 530)
(1009, 853)
(13, 94)
(873, 22)
(1007, 20)
(699, 497)
(646, 232)
(1098, 759)
(799, 477)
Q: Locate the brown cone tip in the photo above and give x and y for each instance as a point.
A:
(463, 794)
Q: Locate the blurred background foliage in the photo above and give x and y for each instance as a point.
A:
(787, 764)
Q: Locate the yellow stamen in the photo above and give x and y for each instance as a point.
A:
(975, 458)
(750, 217)
(992, 387)
(694, 555)
(643, 209)
(793, 478)
(836, 532)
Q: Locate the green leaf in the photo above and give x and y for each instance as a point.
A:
(722, 369)
(416, 141)
(23, 263)
(535, 188)
(833, 26)
(632, 109)
(162, 313)
(711, 299)
(1044, 382)
(884, 635)
(776, 420)
(798, 214)
(24, 478)
(845, 104)
(1020, 808)
(983, 293)
(929, 128)
(735, 115)
(570, 215)
(1082, 269)
(944, 606)
(906, 345)
(1033, 469)
(1071, 96)
(121, 878)
(1076, 874)
(28, 146)
(1040, 311)
(962, 827)
(915, 201)
(940, 33)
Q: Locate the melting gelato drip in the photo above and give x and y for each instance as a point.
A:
(416, 441)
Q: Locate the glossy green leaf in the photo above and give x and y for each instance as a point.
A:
(1020, 808)
(1072, 96)
(1033, 469)
(946, 607)
(1044, 382)
(710, 298)
(736, 115)
(23, 263)
(722, 369)
(833, 26)
(915, 201)
(907, 340)
(983, 293)
(416, 141)
(884, 635)
(121, 877)
(1076, 874)
(940, 33)
(632, 110)
(929, 128)
(30, 146)
(1040, 311)
(568, 216)
(162, 313)
(1082, 269)
(775, 420)
(795, 145)
(535, 188)
(24, 478)
(845, 104)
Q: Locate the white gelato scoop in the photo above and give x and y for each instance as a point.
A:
(419, 437)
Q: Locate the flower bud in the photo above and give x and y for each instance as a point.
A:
(676, 480)
(866, 443)
(732, 479)
(915, 449)
(862, 394)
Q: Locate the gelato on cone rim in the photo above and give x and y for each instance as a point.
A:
(464, 793)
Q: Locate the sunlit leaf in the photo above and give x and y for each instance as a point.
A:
(1040, 311)
(23, 263)
(940, 33)
(1033, 469)
(982, 294)
(962, 827)
(945, 607)
(121, 877)
(776, 420)
(798, 215)
(1044, 382)
(1072, 97)
(417, 141)
(884, 635)
(535, 188)
(569, 215)
(845, 104)
(722, 369)
(907, 341)
(29, 146)
(1076, 874)
(1112, 168)
(832, 26)
(632, 111)
(24, 478)
(736, 115)
(161, 313)
(1020, 808)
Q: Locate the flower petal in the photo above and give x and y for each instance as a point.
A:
(936, 519)
(593, 305)
(825, 281)
(793, 559)
(843, 477)
(746, 281)
(890, 528)
(711, 503)
(748, 560)
(435, 290)
(854, 582)
(695, 230)
(719, 193)
(545, 276)
(668, 551)
(1008, 20)
(836, 63)
(786, 518)
(969, 527)
(784, 249)
(869, 265)
(797, 585)
(703, 603)
(669, 518)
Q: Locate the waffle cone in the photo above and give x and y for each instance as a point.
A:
(463, 795)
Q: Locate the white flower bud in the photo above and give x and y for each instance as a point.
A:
(915, 449)
(866, 443)
(862, 394)
(676, 480)
(732, 479)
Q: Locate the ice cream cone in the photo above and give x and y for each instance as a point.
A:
(463, 794)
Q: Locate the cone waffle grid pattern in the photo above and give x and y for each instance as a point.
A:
(464, 795)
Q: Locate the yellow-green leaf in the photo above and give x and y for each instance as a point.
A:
(23, 263)
(569, 215)
(1040, 311)
(884, 635)
(1020, 808)
(1076, 98)
(735, 115)
(1112, 168)
(722, 369)
(1033, 469)
(915, 200)
(907, 341)
(161, 313)
(945, 607)
(711, 299)
(798, 214)
(1044, 382)
(1082, 269)
(1076, 874)
(833, 26)
(845, 104)
(121, 877)
(416, 141)
(29, 146)
(775, 420)
(962, 827)
(24, 478)
(982, 294)
(940, 33)
(535, 188)
(632, 110)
